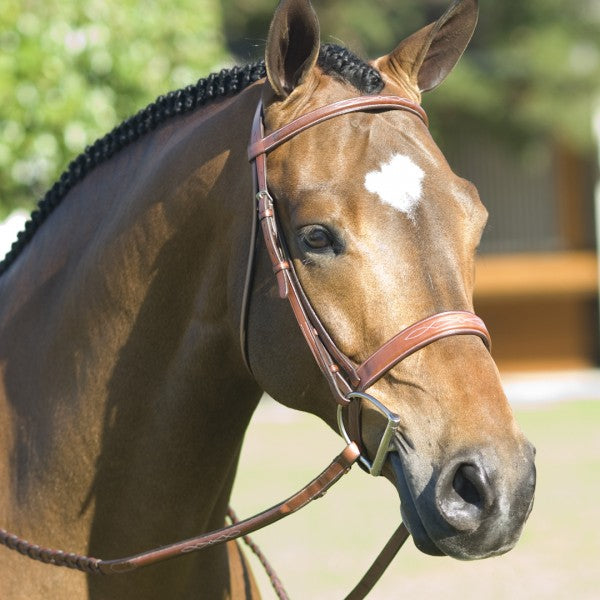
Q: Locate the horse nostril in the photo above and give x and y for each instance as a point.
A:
(463, 495)
(464, 486)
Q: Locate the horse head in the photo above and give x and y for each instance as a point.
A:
(383, 234)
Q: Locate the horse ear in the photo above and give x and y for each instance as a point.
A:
(292, 46)
(431, 53)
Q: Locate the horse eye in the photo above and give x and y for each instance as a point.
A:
(316, 237)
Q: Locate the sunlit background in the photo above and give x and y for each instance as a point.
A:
(520, 117)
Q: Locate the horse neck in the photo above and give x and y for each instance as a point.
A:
(122, 372)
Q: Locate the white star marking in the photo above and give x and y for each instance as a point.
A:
(398, 183)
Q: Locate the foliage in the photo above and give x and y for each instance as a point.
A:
(533, 68)
(70, 71)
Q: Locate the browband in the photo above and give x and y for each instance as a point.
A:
(263, 145)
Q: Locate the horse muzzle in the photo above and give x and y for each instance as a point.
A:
(472, 506)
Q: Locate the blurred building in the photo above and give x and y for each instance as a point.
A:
(537, 275)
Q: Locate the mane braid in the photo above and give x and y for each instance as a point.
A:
(334, 60)
(339, 62)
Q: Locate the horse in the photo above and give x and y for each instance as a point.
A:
(125, 385)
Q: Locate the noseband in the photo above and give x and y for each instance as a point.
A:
(347, 380)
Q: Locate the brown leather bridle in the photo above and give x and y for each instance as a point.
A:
(347, 380)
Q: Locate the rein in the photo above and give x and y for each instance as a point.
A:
(347, 380)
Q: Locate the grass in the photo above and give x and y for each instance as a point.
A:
(321, 552)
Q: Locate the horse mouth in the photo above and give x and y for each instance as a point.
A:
(468, 510)
(408, 510)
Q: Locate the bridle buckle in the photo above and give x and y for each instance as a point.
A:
(393, 420)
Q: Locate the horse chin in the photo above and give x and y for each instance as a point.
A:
(409, 513)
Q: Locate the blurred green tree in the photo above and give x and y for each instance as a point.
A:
(70, 71)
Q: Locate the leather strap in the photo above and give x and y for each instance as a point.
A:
(382, 562)
(417, 336)
(273, 578)
(265, 144)
(315, 489)
(289, 287)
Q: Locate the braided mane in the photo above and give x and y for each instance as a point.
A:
(334, 60)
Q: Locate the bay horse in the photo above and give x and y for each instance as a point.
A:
(125, 385)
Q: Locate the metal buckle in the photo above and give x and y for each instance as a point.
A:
(393, 421)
